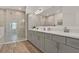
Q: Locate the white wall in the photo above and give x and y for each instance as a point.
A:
(77, 16)
(71, 16)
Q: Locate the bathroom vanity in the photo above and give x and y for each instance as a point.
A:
(54, 41)
(58, 40)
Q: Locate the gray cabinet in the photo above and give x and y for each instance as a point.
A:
(40, 41)
(67, 49)
(37, 38)
(59, 39)
(50, 45)
(29, 36)
(73, 42)
(48, 36)
(32, 37)
(37, 41)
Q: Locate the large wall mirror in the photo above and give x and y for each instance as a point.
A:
(59, 18)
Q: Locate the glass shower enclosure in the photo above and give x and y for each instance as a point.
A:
(12, 24)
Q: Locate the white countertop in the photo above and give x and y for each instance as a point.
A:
(61, 33)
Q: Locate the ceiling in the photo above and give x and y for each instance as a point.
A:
(21, 8)
(48, 10)
(51, 11)
(32, 9)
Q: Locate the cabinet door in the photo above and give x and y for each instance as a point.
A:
(29, 36)
(40, 40)
(73, 42)
(32, 36)
(67, 49)
(36, 39)
(48, 36)
(59, 39)
(50, 46)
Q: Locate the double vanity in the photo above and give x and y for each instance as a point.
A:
(54, 41)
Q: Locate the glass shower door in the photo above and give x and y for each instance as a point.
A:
(14, 26)
(11, 32)
(10, 27)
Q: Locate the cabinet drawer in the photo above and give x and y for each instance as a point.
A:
(67, 49)
(50, 46)
(73, 42)
(59, 39)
